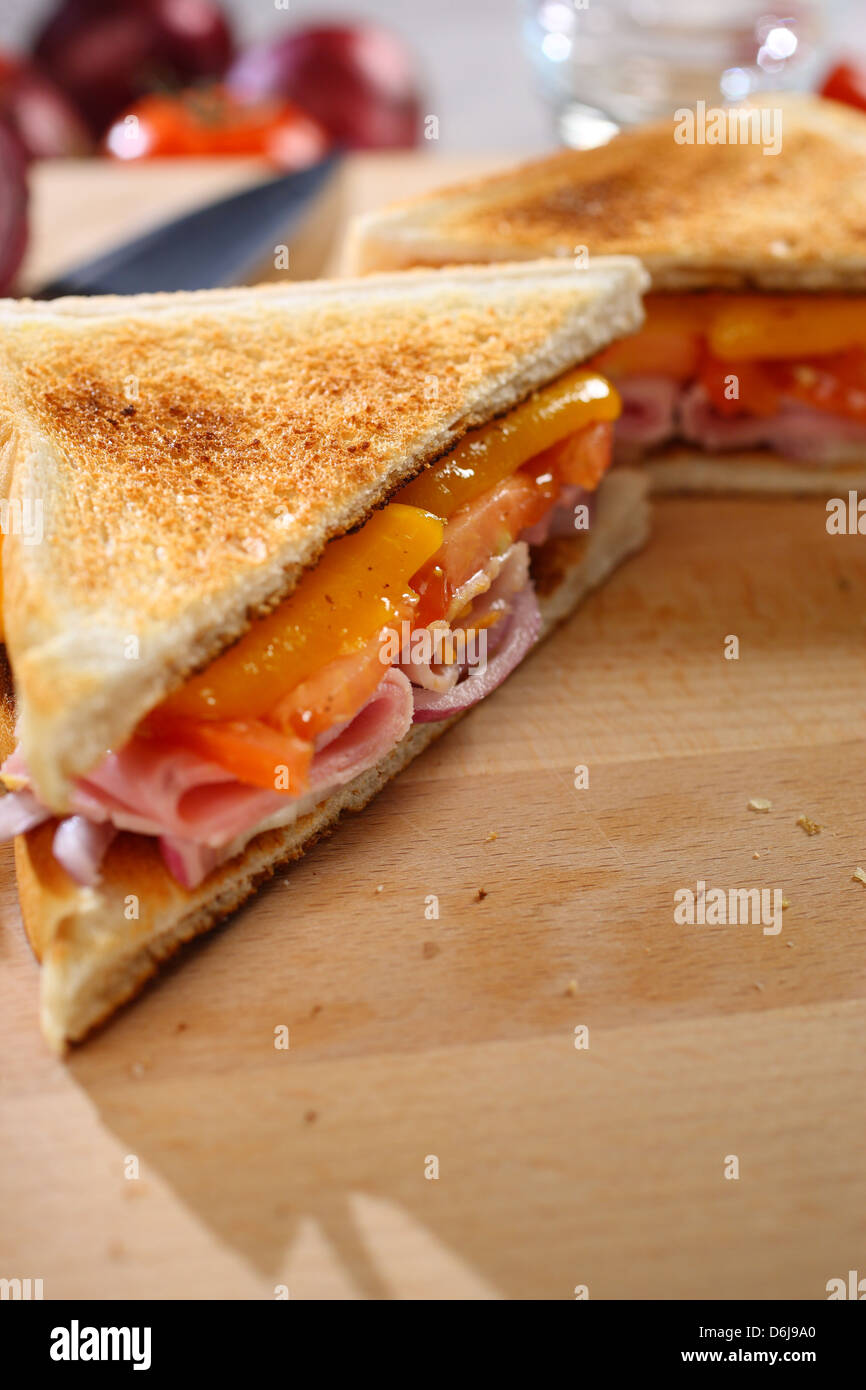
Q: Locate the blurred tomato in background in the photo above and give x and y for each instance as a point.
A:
(138, 79)
(106, 53)
(358, 81)
(847, 83)
(211, 122)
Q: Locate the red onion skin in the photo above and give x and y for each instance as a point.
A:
(358, 82)
(104, 55)
(43, 118)
(13, 205)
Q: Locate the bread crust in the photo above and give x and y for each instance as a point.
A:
(759, 472)
(192, 454)
(699, 216)
(95, 956)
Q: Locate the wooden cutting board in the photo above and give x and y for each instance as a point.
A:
(420, 1043)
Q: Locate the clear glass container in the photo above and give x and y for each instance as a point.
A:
(604, 64)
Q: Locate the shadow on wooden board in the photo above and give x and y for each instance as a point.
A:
(423, 1043)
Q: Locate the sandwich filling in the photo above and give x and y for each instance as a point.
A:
(785, 372)
(414, 617)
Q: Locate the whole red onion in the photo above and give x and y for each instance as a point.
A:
(13, 204)
(105, 55)
(360, 83)
(44, 119)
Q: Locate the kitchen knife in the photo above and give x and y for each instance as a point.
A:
(222, 243)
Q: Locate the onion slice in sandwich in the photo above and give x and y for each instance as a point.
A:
(524, 626)
(20, 811)
(80, 845)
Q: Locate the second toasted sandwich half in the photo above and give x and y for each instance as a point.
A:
(750, 372)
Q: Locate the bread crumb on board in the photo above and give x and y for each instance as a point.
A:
(858, 876)
(760, 803)
(811, 827)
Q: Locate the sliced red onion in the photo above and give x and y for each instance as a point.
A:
(20, 811)
(80, 845)
(524, 626)
(439, 677)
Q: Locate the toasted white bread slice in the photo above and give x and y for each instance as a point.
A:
(94, 957)
(191, 454)
(699, 215)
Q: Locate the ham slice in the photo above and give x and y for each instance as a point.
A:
(200, 813)
(649, 414)
(657, 410)
(798, 431)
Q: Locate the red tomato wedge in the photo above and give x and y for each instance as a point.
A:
(836, 384)
(333, 695)
(846, 82)
(756, 385)
(583, 458)
(250, 750)
(481, 529)
(209, 121)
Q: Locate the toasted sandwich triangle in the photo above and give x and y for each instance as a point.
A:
(784, 209)
(179, 460)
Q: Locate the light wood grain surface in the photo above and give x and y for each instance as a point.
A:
(414, 1037)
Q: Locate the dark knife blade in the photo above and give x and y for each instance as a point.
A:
(220, 244)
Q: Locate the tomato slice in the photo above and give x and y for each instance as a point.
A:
(836, 384)
(583, 459)
(480, 530)
(757, 385)
(846, 82)
(333, 695)
(210, 121)
(250, 750)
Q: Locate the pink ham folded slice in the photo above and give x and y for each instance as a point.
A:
(657, 410)
(649, 414)
(797, 431)
(200, 812)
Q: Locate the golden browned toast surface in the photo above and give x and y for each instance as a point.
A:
(698, 214)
